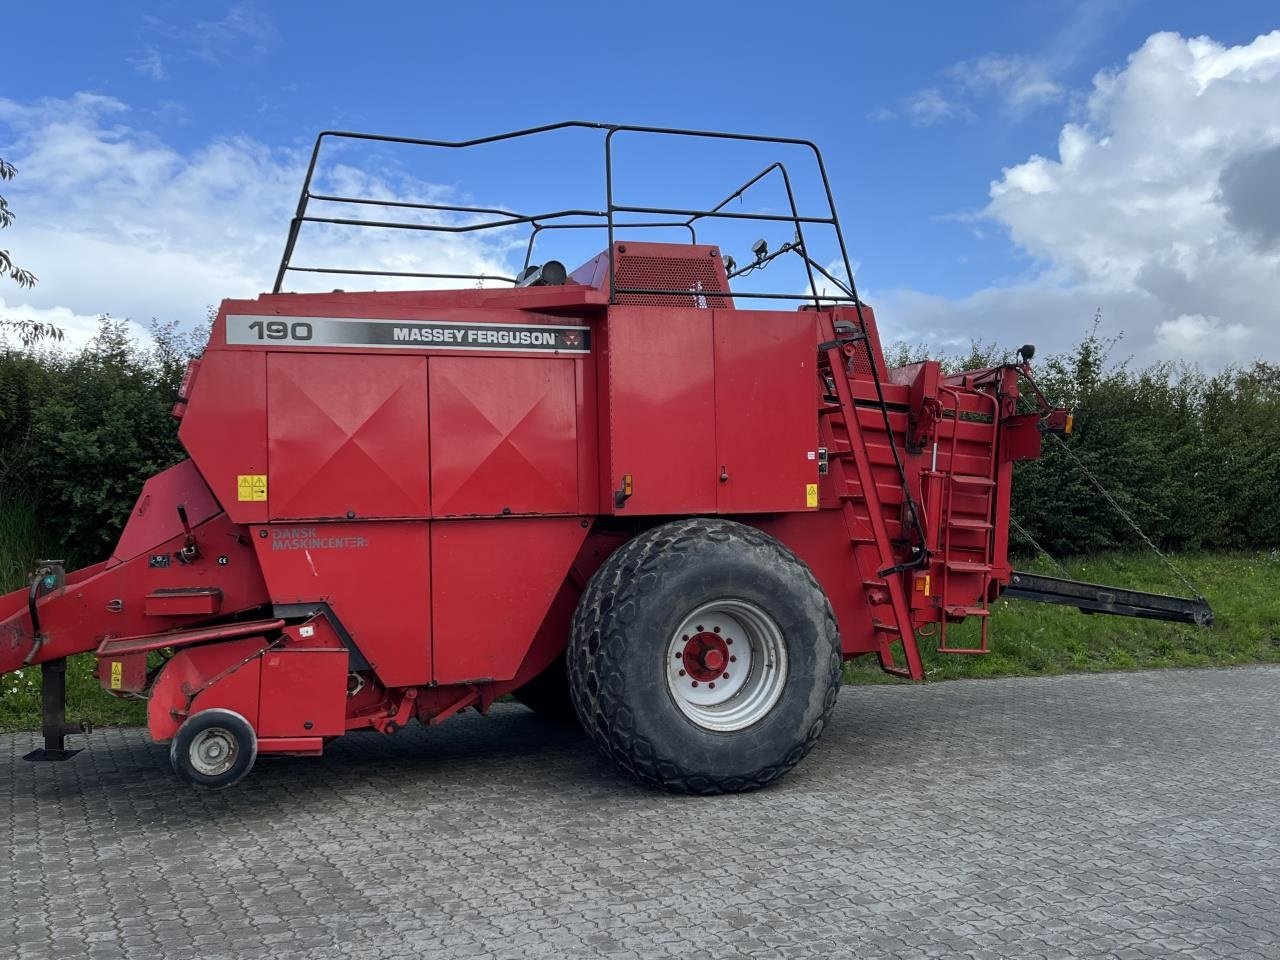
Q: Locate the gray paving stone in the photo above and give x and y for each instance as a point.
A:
(1122, 815)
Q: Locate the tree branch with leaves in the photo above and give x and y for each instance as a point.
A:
(29, 331)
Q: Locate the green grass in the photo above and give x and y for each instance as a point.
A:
(1026, 638)
(1032, 639)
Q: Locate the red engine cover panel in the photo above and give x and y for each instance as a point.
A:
(375, 575)
(504, 435)
(494, 581)
(346, 435)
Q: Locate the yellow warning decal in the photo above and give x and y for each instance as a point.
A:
(251, 486)
(810, 494)
(117, 674)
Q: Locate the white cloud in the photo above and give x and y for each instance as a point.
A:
(77, 329)
(113, 220)
(150, 64)
(1021, 83)
(1195, 335)
(1160, 208)
(244, 32)
(928, 106)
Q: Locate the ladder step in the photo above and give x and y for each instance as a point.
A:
(885, 627)
(957, 613)
(971, 480)
(965, 566)
(963, 524)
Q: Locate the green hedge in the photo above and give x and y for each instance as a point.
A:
(79, 434)
(1193, 457)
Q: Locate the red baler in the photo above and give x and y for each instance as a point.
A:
(616, 489)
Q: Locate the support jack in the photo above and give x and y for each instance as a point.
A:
(53, 715)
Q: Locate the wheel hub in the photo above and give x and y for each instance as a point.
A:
(726, 665)
(213, 751)
(705, 656)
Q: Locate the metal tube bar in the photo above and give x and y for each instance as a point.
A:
(405, 273)
(723, 214)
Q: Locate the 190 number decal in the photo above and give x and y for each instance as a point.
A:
(279, 330)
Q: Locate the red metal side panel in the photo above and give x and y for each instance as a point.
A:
(155, 517)
(766, 425)
(375, 576)
(225, 427)
(661, 410)
(504, 435)
(493, 582)
(304, 693)
(347, 436)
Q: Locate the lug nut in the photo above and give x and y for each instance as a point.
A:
(712, 684)
(682, 673)
(729, 640)
(725, 677)
(732, 658)
(717, 629)
(695, 683)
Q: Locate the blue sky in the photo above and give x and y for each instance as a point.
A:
(206, 110)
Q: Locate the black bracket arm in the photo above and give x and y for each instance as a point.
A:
(1096, 598)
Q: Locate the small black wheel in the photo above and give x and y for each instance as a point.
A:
(214, 748)
(704, 657)
(547, 694)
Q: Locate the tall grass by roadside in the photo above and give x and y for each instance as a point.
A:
(22, 541)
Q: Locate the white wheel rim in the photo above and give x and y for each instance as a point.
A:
(213, 751)
(726, 665)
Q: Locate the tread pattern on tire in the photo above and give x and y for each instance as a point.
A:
(596, 643)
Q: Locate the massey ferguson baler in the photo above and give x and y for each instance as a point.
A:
(615, 490)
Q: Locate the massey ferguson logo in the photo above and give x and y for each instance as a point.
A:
(276, 332)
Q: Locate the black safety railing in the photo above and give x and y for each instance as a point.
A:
(312, 208)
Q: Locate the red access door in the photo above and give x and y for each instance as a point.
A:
(504, 436)
(766, 432)
(347, 436)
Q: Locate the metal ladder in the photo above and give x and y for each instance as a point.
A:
(854, 481)
(981, 565)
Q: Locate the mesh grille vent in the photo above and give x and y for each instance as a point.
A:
(700, 276)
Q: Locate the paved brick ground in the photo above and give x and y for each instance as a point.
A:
(1089, 816)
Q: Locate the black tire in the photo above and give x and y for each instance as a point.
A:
(547, 694)
(631, 611)
(225, 731)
